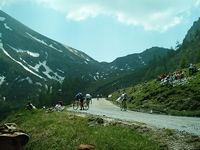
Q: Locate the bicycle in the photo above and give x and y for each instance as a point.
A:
(76, 105)
(123, 106)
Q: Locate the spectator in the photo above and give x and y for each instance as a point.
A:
(195, 68)
(161, 76)
(133, 89)
(60, 102)
(191, 68)
(29, 106)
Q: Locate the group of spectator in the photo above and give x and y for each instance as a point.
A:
(178, 77)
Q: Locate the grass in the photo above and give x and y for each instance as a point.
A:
(180, 100)
(65, 131)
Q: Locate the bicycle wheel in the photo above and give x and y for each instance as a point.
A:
(125, 107)
(85, 106)
(121, 106)
(75, 105)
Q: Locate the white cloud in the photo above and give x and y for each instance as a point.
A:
(156, 15)
(153, 15)
(2, 3)
(197, 3)
(8, 2)
(84, 12)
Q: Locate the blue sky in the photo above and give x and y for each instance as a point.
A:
(107, 29)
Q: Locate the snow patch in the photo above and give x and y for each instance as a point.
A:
(76, 52)
(7, 27)
(38, 83)
(71, 57)
(61, 71)
(26, 68)
(41, 41)
(33, 54)
(28, 79)
(2, 79)
(95, 78)
(141, 60)
(87, 59)
(54, 48)
(2, 18)
(112, 67)
(25, 51)
(48, 71)
(70, 49)
(84, 57)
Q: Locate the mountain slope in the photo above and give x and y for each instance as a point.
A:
(192, 31)
(31, 62)
(33, 51)
(173, 61)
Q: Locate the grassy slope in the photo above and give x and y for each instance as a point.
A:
(178, 100)
(65, 131)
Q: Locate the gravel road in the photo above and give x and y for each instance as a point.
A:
(107, 109)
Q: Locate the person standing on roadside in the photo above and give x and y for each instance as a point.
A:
(191, 68)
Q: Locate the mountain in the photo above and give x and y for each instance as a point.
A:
(30, 62)
(173, 61)
(136, 61)
(193, 30)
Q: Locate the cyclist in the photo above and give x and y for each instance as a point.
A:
(123, 98)
(88, 98)
(80, 98)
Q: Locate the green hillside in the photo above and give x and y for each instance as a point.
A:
(182, 97)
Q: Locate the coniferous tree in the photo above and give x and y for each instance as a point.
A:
(183, 62)
(197, 57)
(178, 45)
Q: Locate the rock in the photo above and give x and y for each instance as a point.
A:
(85, 147)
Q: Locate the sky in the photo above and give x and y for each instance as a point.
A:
(107, 29)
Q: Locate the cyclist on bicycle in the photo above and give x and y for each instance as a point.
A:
(123, 98)
(80, 98)
(88, 98)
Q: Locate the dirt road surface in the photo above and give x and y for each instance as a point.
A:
(107, 109)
